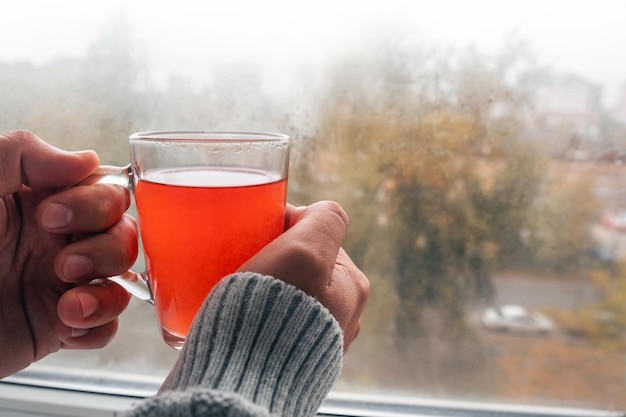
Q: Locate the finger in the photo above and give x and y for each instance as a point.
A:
(103, 255)
(348, 293)
(306, 251)
(292, 213)
(83, 209)
(91, 305)
(94, 338)
(313, 240)
(26, 159)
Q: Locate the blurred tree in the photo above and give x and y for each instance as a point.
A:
(429, 153)
(603, 322)
(560, 232)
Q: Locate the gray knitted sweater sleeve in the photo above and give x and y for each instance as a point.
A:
(258, 347)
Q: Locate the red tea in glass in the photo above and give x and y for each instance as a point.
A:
(199, 224)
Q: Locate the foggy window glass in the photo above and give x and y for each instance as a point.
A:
(478, 147)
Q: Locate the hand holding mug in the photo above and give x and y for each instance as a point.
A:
(309, 256)
(54, 239)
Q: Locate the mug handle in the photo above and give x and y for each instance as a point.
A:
(109, 174)
(135, 283)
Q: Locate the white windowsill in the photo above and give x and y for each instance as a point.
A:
(45, 392)
(23, 401)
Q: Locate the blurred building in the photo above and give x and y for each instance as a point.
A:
(567, 112)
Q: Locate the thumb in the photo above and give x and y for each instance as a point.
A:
(26, 159)
(306, 253)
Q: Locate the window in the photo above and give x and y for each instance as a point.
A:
(478, 147)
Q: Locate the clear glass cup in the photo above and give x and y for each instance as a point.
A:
(206, 202)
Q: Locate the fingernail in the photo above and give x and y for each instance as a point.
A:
(77, 266)
(78, 332)
(55, 216)
(88, 303)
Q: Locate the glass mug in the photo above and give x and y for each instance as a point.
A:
(206, 203)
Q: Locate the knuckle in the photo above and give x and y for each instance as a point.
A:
(329, 220)
(131, 223)
(363, 285)
(11, 149)
(21, 135)
(304, 258)
(19, 138)
(124, 236)
(113, 202)
(100, 336)
(357, 278)
(335, 209)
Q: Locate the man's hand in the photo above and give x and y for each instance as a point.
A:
(309, 256)
(55, 239)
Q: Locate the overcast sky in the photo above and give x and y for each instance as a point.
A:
(586, 37)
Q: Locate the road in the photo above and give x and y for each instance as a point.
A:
(562, 292)
(568, 292)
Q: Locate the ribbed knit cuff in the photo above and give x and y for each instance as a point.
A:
(265, 340)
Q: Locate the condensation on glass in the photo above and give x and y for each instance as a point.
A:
(484, 183)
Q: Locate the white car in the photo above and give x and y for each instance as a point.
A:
(516, 319)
